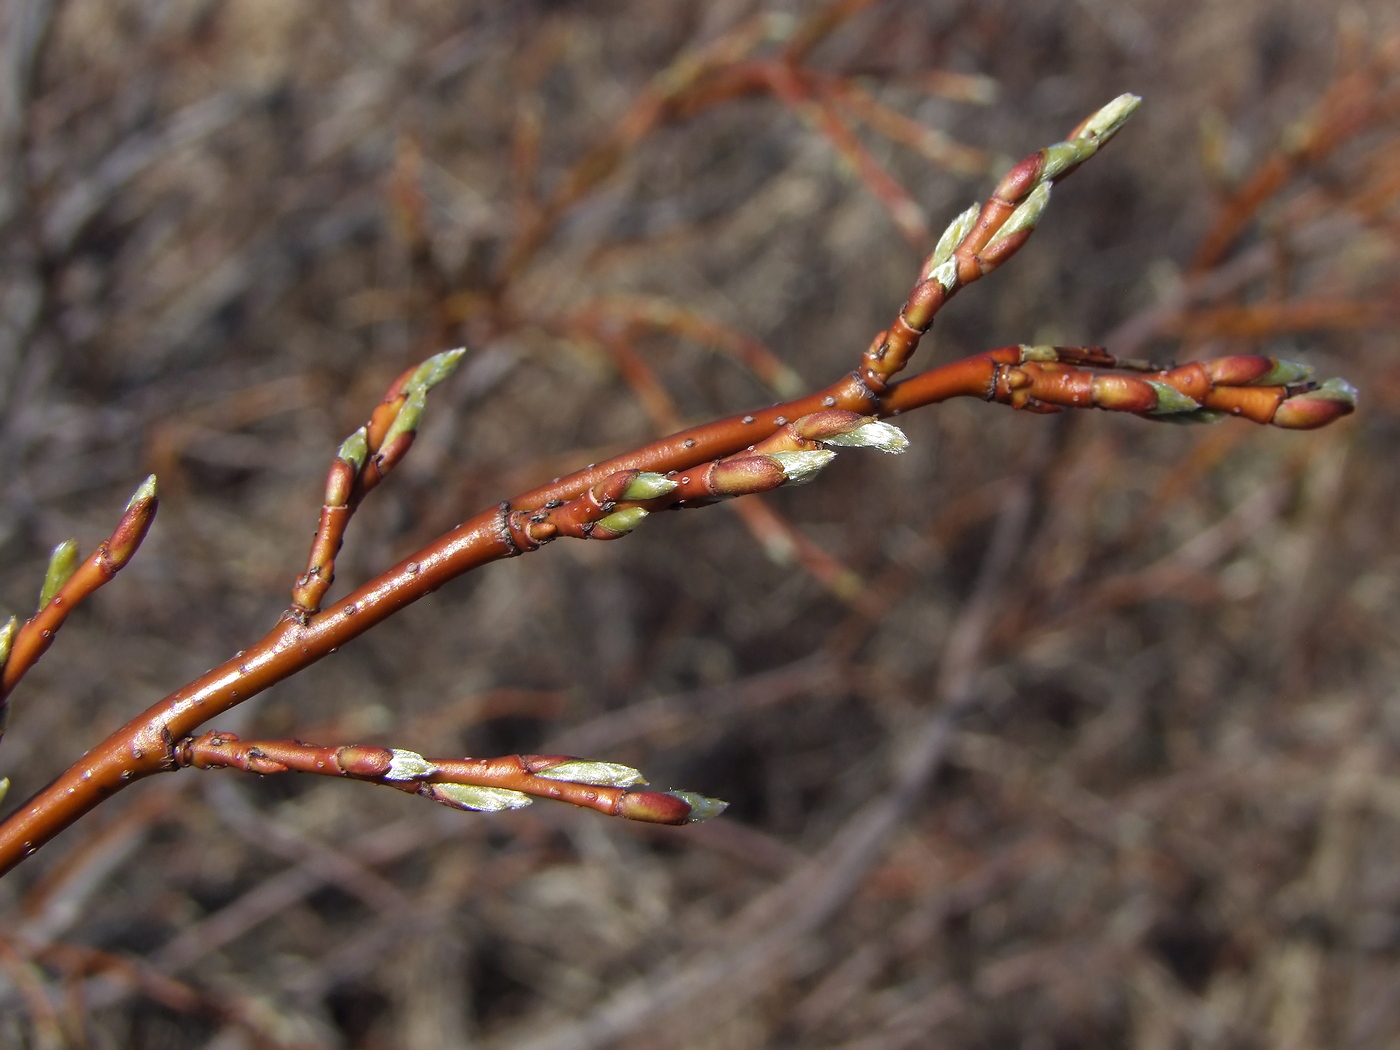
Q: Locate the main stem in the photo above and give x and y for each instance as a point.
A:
(144, 745)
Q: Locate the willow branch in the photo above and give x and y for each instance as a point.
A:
(788, 443)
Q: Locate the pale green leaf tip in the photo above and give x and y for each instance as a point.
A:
(801, 467)
(702, 807)
(409, 416)
(481, 799)
(1106, 123)
(355, 449)
(647, 485)
(63, 562)
(4, 788)
(144, 494)
(408, 765)
(1336, 390)
(1284, 373)
(436, 368)
(597, 774)
(874, 433)
(1170, 400)
(951, 238)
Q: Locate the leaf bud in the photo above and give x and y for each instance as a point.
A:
(647, 485)
(598, 774)
(1170, 400)
(476, 798)
(63, 562)
(801, 467)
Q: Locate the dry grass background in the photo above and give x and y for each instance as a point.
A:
(1104, 754)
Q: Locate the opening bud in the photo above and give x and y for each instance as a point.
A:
(701, 806)
(63, 562)
(1170, 400)
(143, 495)
(476, 798)
(873, 433)
(801, 467)
(408, 765)
(1025, 217)
(355, 449)
(952, 237)
(4, 788)
(1106, 123)
(406, 422)
(435, 369)
(1285, 373)
(647, 485)
(599, 774)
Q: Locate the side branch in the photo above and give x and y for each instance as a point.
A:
(482, 784)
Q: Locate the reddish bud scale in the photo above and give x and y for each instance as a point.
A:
(830, 423)
(1191, 379)
(129, 533)
(733, 477)
(1239, 369)
(654, 807)
(1257, 403)
(1123, 394)
(1021, 179)
(387, 458)
(610, 489)
(992, 218)
(988, 259)
(359, 760)
(384, 414)
(1308, 413)
(340, 483)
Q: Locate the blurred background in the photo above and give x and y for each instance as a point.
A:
(1072, 731)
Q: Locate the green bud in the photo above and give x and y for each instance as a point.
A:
(952, 237)
(408, 765)
(802, 467)
(1064, 155)
(355, 449)
(63, 562)
(7, 638)
(647, 485)
(945, 273)
(1104, 124)
(144, 494)
(1336, 390)
(599, 774)
(873, 433)
(406, 422)
(1285, 373)
(1170, 400)
(623, 521)
(1026, 215)
(480, 799)
(701, 806)
(435, 369)
(4, 788)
